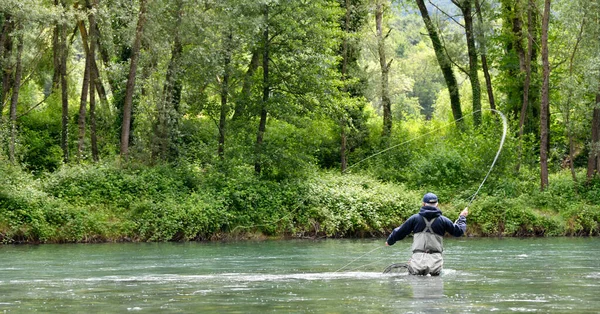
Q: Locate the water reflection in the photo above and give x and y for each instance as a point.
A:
(426, 287)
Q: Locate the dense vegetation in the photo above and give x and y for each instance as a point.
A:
(154, 120)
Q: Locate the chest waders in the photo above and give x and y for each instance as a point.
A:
(427, 251)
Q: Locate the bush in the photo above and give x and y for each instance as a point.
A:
(353, 205)
(109, 202)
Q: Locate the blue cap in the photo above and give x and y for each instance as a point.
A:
(430, 198)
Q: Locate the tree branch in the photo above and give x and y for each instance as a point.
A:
(35, 106)
(446, 14)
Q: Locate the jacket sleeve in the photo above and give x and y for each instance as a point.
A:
(401, 232)
(457, 228)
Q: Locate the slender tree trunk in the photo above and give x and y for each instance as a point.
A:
(567, 109)
(63, 53)
(56, 34)
(386, 103)
(466, 8)
(135, 54)
(103, 52)
(443, 61)
(5, 64)
(262, 125)
(86, 40)
(224, 94)
(526, 83)
(95, 83)
(545, 112)
(484, 63)
(15, 95)
(594, 157)
(83, 100)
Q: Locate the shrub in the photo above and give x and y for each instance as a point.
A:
(353, 205)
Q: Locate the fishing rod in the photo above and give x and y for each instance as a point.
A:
(504, 132)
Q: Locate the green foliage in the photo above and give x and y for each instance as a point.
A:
(30, 215)
(209, 56)
(352, 205)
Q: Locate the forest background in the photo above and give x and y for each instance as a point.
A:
(177, 120)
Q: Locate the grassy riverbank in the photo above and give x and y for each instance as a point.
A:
(111, 202)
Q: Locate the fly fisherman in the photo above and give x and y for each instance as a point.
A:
(429, 227)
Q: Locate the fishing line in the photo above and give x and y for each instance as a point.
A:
(412, 139)
(354, 260)
(367, 264)
(504, 131)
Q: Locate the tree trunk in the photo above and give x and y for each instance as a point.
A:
(86, 40)
(135, 54)
(5, 52)
(594, 157)
(526, 83)
(224, 94)
(545, 105)
(63, 56)
(15, 96)
(95, 83)
(386, 103)
(262, 125)
(84, 93)
(484, 63)
(466, 8)
(443, 61)
(567, 109)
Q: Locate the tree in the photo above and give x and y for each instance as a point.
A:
(266, 90)
(62, 57)
(95, 83)
(135, 54)
(6, 45)
(84, 93)
(483, 52)
(443, 61)
(227, 51)
(544, 116)
(593, 164)
(15, 90)
(527, 68)
(167, 108)
(466, 7)
(594, 157)
(386, 103)
(353, 20)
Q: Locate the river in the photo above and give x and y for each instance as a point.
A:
(481, 275)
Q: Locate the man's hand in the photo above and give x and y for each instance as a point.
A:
(465, 212)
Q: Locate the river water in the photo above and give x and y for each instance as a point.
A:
(542, 275)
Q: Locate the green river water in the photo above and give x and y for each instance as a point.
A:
(542, 275)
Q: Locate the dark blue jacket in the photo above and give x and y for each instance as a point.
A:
(440, 226)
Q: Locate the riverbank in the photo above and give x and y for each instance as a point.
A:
(111, 203)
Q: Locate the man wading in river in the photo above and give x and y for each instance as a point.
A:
(429, 227)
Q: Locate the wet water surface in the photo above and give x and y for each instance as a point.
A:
(331, 276)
